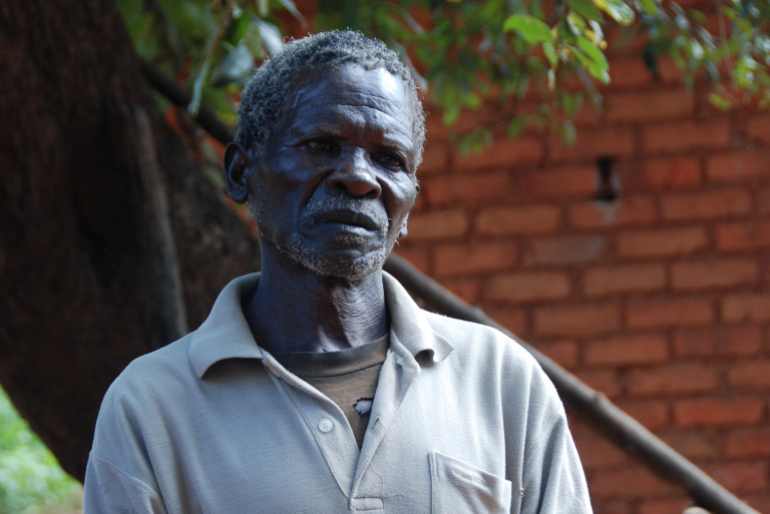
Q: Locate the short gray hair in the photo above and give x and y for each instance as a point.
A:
(272, 88)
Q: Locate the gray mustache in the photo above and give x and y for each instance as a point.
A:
(339, 203)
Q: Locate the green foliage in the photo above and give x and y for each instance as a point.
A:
(466, 53)
(30, 477)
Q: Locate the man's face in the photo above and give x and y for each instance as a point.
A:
(335, 184)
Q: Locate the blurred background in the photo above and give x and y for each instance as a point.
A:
(596, 179)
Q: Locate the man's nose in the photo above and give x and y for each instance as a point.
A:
(355, 175)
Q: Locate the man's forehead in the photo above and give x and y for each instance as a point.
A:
(353, 85)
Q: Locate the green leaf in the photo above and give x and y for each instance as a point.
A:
(533, 31)
(698, 16)
(720, 102)
(617, 9)
(550, 53)
(586, 8)
(271, 36)
(568, 133)
(650, 6)
(236, 30)
(236, 66)
(200, 80)
(572, 103)
(594, 53)
(289, 5)
(576, 23)
(516, 126)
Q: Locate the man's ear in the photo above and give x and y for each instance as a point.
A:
(238, 161)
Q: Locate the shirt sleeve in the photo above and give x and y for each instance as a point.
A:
(552, 480)
(109, 489)
(119, 475)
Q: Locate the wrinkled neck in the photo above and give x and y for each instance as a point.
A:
(296, 309)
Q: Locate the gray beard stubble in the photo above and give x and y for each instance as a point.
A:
(298, 249)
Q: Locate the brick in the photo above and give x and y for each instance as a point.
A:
(716, 273)
(581, 320)
(695, 444)
(750, 235)
(458, 259)
(419, 257)
(630, 73)
(623, 212)
(624, 279)
(754, 374)
(739, 476)
(671, 173)
(597, 453)
(758, 501)
(759, 129)
(664, 506)
(685, 135)
(626, 350)
(448, 189)
(603, 380)
(474, 118)
(438, 225)
(435, 128)
(420, 205)
(513, 319)
(718, 342)
(763, 201)
(670, 242)
(587, 116)
(564, 352)
(668, 70)
(706, 205)
(742, 308)
(593, 144)
(504, 153)
(653, 414)
(564, 250)
(673, 379)
(612, 507)
(718, 412)
(565, 182)
(655, 104)
(631, 481)
(526, 220)
(748, 442)
(468, 290)
(669, 312)
(528, 287)
(435, 159)
(738, 166)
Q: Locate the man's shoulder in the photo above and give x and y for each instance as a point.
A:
(159, 370)
(482, 343)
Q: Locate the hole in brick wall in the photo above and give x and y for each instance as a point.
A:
(607, 185)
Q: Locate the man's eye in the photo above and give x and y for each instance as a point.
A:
(390, 160)
(320, 145)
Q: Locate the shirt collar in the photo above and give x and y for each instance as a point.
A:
(226, 334)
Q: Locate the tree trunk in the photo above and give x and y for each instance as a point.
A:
(112, 241)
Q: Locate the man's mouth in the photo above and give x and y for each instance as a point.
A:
(349, 217)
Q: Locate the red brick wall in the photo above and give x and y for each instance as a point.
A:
(660, 299)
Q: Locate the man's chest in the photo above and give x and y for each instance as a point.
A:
(429, 447)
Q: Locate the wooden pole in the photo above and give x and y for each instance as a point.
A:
(622, 429)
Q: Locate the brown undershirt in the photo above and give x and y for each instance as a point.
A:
(348, 377)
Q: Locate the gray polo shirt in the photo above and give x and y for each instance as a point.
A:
(463, 421)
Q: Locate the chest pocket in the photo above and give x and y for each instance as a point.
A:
(459, 488)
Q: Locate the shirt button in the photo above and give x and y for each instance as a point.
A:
(325, 425)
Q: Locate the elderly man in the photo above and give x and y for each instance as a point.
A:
(319, 386)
